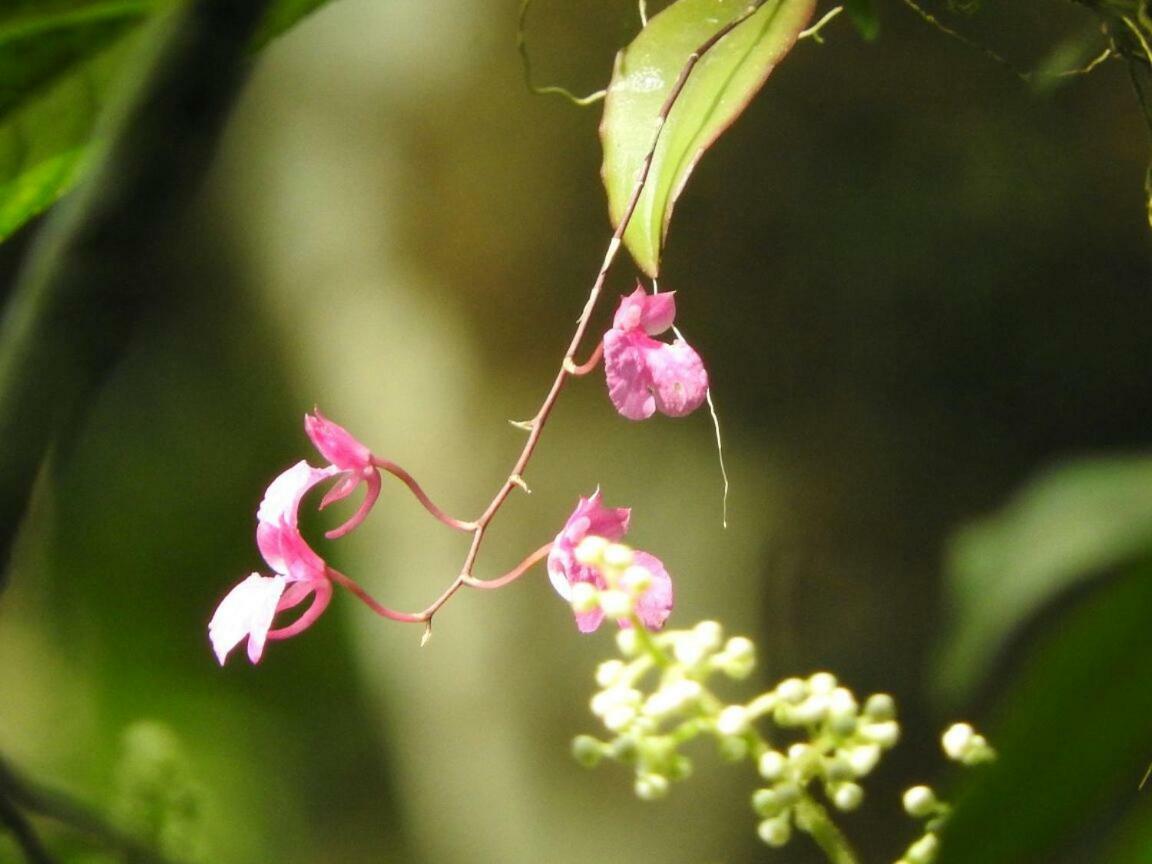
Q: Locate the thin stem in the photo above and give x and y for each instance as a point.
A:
(814, 820)
(933, 21)
(513, 574)
(547, 90)
(579, 371)
(18, 825)
(813, 32)
(421, 496)
(371, 602)
(535, 426)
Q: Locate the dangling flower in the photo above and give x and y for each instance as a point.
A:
(598, 576)
(353, 462)
(249, 609)
(643, 374)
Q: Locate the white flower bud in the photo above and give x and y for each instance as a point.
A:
(771, 765)
(775, 832)
(822, 683)
(585, 597)
(841, 701)
(885, 734)
(956, 740)
(788, 793)
(627, 641)
(766, 803)
(811, 710)
(616, 555)
(650, 787)
(636, 580)
(862, 758)
(738, 658)
(920, 801)
(733, 720)
(688, 649)
(590, 551)
(608, 672)
(587, 750)
(880, 707)
(710, 634)
(847, 796)
(616, 604)
(792, 690)
(619, 717)
(924, 850)
(837, 769)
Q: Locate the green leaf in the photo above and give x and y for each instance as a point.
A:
(863, 15)
(1070, 524)
(1074, 740)
(60, 64)
(717, 91)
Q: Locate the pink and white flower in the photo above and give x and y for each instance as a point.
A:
(645, 375)
(592, 519)
(354, 463)
(248, 610)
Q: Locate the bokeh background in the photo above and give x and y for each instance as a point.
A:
(915, 280)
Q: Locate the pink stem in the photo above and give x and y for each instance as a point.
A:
(512, 575)
(421, 496)
(592, 362)
(322, 592)
(370, 601)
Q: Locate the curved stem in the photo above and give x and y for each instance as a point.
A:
(371, 602)
(421, 496)
(513, 574)
(586, 367)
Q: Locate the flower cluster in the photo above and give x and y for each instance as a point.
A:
(844, 742)
(299, 573)
(961, 743)
(601, 577)
(644, 375)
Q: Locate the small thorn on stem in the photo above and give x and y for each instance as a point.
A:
(526, 425)
(427, 633)
(517, 480)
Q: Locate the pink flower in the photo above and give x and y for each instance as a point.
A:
(249, 609)
(644, 375)
(591, 519)
(353, 462)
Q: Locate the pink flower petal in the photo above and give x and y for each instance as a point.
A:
(321, 589)
(246, 611)
(336, 444)
(655, 604)
(277, 534)
(652, 313)
(627, 374)
(590, 518)
(679, 378)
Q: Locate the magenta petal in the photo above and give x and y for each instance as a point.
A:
(587, 622)
(652, 313)
(627, 374)
(246, 611)
(282, 498)
(371, 493)
(655, 604)
(590, 518)
(336, 443)
(322, 591)
(679, 378)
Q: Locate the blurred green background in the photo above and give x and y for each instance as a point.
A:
(916, 282)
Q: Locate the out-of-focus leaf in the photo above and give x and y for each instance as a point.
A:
(1074, 737)
(863, 15)
(59, 63)
(1066, 526)
(719, 88)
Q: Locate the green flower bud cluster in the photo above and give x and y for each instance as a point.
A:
(841, 743)
(961, 743)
